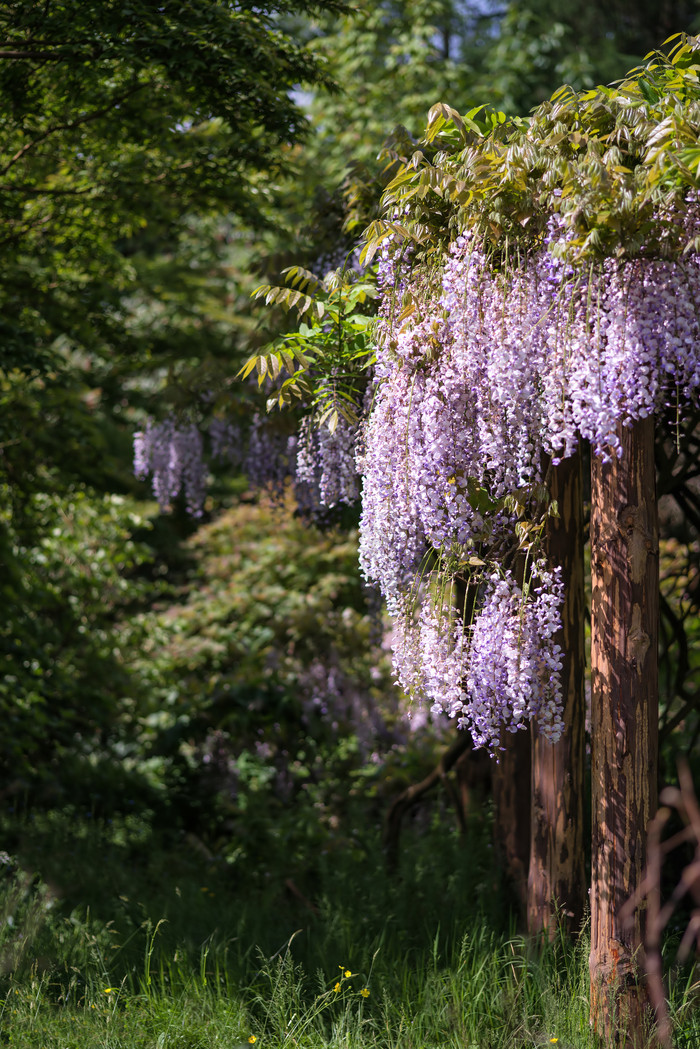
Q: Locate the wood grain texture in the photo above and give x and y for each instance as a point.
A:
(556, 891)
(624, 723)
(511, 795)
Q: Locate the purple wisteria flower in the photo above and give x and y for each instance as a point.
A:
(226, 441)
(173, 455)
(325, 462)
(484, 374)
(494, 673)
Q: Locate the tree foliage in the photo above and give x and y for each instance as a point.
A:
(134, 138)
(155, 170)
(120, 123)
(612, 161)
(264, 695)
(335, 331)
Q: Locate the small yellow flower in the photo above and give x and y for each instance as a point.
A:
(109, 990)
(347, 974)
(553, 1040)
(336, 988)
(252, 1039)
(365, 992)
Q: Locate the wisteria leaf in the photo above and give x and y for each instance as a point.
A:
(247, 368)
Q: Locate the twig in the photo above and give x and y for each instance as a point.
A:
(685, 802)
(411, 795)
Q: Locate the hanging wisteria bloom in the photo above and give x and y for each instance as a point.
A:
(514, 666)
(173, 455)
(495, 672)
(269, 462)
(325, 462)
(226, 441)
(486, 374)
(619, 347)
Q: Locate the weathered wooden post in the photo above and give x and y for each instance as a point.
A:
(556, 891)
(624, 712)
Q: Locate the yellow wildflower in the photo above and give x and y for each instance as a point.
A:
(347, 974)
(252, 1039)
(336, 988)
(365, 992)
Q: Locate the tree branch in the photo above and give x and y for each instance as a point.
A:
(692, 702)
(41, 191)
(71, 125)
(408, 798)
(44, 56)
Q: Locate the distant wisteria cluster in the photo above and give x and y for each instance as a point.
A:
(226, 441)
(484, 374)
(173, 455)
(270, 457)
(325, 461)
(318, 463)
(326, 691)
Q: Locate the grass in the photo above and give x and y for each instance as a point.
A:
(119, 937)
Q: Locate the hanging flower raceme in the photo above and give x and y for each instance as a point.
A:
(325, 461)
(173, 455)
(496, 671)
(486, 372)
(513, 672)
(270, 457)
(622, 342)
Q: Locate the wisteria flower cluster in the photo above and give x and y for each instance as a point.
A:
(325, 462)
(226, 441)
(497, 672)
(485, 373)
(318, 463)
(173, 455)
(617, 347)
(270, 457)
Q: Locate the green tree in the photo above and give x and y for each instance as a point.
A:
(120, 120)
(126, 130)
(543, 43)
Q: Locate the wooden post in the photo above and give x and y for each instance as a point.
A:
(624, 722)
(511, 796)
(556, 878)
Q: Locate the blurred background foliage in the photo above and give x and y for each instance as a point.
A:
(227, 681)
